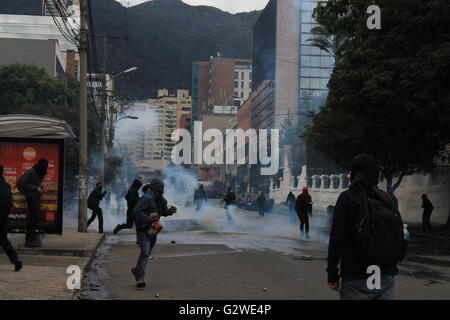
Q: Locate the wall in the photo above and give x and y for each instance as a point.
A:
(325, 191)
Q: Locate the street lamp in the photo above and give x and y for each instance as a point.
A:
(103, 118)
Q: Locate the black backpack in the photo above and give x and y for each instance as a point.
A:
(379, 238)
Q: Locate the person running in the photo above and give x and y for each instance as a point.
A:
(132, 198)
(303, 208)
(261, 203)
(6, 202)
(147, 213)
(290, 203)
(94, 204)
(200, 198)
(30, 184)
(229, 199)
(427, 210)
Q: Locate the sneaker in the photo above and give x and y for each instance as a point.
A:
(140, 284)
(116, 229)
(18, 265)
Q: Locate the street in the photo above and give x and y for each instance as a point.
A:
(235, 265)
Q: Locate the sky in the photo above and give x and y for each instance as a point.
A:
(232, 6)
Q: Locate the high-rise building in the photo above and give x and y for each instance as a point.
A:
(220, 82)
(151, 149)
(290, 77)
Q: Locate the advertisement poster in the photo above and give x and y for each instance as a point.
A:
(19, 155)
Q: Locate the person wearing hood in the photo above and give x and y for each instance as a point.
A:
(290, 203)
(303, 207)
(6, 203)
(132, 198)
(347, 220)
(147, 213)
(30, 184)
(200, 198)
(426, 215)
(94, 199)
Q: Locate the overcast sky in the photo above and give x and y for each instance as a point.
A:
(226, 5)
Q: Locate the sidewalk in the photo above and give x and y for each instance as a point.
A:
(44, 276)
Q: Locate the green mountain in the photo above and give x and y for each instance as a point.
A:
(164, 37)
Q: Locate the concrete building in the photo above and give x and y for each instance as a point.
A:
(220, 82)
(42, 53)
(290, 78)
(151, 149)
(36, 23)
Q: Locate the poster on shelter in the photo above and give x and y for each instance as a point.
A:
(19, 155)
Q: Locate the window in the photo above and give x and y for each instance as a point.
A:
(242, 75)
(236, 75)
(242, 85)
(236, 84)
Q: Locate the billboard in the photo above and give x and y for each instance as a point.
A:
(17, 155)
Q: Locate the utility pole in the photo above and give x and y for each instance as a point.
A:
(82, 175)
(104, 108)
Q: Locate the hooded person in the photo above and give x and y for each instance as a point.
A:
(290, 203)
(30, 184)
(200, 198)
(303, 207)
(94, 199)
(147, 213)
(342, 249)
(132, 198)
(6, 203)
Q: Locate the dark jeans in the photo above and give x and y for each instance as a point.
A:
(146, 243)
(130, 221)
(8, 248)
(356, 289)
(261, 211)
(200, 204)
(227, 212)
(97, 212)
(304, 223)
(34, 210)
(426, 224)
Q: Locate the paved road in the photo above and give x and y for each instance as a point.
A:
(233, 264)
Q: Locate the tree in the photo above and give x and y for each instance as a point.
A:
(388, 94)
(29, 89)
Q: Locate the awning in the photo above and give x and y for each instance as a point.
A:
(31, 126)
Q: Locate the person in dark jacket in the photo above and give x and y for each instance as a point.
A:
(290, 203)
(261, 203)
(200, 198)
(364, 175)
(229, 199)
(427, 210)
(147, 213)
(303, 207)
(6, 202)
(94, 199)
(30, 184)
(132, 198)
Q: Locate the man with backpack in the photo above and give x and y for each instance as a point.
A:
(132, 198)
(30, 184)
(366, 235)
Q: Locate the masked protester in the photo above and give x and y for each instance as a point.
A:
(30, 184)
(303, 207)
(132, 198)
(354, 208)
(261, 203)
(147, 213)
(200, 198)
(94, 199)
(229, 199)
(6, 202)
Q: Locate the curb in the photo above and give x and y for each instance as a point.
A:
(87, 265)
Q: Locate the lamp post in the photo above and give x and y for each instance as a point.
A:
(103, 113)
